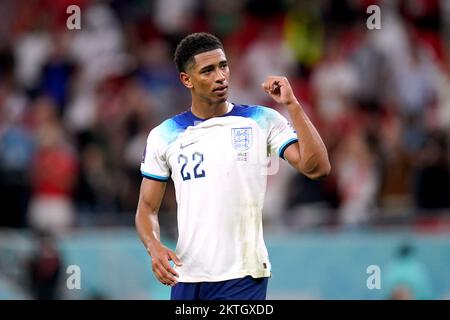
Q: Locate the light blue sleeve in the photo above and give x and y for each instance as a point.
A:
(281, 132)
(154, 165)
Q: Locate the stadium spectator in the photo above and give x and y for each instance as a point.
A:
(53, 173)
(334, 82)
(44, 268)
(357, 180)
(432, 175)
(17, 147)
(406, 277)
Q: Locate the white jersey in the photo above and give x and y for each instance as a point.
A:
(219, 168)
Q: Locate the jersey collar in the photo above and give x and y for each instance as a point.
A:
(194, 118)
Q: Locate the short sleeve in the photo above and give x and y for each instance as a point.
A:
(154, 165)
(281, 134)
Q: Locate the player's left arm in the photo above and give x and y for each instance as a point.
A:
(309, 156)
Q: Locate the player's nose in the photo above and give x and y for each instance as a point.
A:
(220, 77)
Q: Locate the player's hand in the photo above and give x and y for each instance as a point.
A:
(161, 267)
(279, 89)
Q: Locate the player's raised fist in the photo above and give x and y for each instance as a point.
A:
(279, 89)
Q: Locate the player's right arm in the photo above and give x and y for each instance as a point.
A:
(147, 225)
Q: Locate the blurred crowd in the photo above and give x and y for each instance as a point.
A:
(76, 106)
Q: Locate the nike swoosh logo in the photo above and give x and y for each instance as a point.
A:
(187, 145)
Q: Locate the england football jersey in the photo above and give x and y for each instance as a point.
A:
(219, 168)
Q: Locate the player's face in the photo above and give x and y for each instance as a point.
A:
(209, 76)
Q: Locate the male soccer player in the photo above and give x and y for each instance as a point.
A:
(217, 154)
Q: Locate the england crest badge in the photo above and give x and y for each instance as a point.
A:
(241, 138)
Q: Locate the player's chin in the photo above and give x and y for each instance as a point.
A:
(221, 98)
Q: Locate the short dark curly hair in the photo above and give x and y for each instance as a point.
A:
(192, 45)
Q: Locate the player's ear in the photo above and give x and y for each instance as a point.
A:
(186, 80)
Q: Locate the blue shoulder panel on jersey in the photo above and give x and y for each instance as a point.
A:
(171, 128)
(185, 119)
(255, 112)
(261, 115)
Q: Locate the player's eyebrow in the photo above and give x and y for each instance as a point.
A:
(208, 67)
(211, 66)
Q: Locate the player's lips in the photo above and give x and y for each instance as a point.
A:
(221, 89)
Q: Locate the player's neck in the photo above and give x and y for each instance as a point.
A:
(206, 111)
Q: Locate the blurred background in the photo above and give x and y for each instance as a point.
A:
(76, 107)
